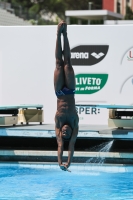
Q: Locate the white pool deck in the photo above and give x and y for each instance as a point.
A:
(85, 131)
(79, 154)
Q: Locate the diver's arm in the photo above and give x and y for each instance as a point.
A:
(60, 143)
(71, 146)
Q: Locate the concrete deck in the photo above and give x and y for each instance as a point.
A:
(47, 131)
(78, 154)
(79, 157)
(85, 131)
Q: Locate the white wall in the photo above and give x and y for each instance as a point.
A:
(116, 22)
(27, 62)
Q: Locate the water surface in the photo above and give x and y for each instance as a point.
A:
(20, 183)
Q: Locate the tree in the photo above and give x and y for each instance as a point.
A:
(34, 9)
(129, 13)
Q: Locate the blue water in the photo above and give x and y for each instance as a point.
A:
(19, 183)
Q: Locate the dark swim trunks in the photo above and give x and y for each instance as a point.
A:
(65, 91)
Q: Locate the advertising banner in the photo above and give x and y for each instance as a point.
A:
(102, 58)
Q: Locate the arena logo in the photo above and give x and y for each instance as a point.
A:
(88, 54)
(90, 83)
(78, 55)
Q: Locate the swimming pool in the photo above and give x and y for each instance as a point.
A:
(87, 182)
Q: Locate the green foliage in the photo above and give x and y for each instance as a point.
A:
(96, 22)
(54, 6)
(31, 10)
(32, 21)
(129, 13)
(45, 22)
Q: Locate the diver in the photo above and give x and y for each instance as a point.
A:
(66, 118)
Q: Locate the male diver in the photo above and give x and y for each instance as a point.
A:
(66, 118)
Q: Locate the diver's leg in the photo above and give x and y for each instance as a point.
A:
(59, 70)
(68, 69)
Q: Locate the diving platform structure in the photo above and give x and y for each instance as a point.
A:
(27, 141)
(85, 131)
(25, 118)
(25, 113)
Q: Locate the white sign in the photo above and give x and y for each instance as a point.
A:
(102, 58)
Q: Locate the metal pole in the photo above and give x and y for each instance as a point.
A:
(79, 21)
(68, 20)
(4, 4)
(89, 7)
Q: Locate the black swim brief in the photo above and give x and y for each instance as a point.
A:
(65, 91)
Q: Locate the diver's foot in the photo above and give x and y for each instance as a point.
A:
(60, 28)
(65, 28)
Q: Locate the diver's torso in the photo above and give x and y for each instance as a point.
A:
(66, 112)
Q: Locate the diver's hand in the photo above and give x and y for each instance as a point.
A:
(64, 167)
(67, 165)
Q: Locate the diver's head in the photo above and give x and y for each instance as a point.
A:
(66, 132)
